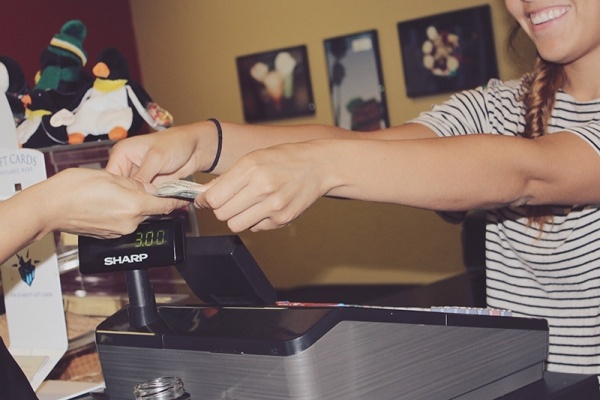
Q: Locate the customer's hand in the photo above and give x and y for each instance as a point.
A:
(95, 203)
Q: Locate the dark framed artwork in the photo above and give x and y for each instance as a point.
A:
(448, 52)
(356, 82)
(275, 84)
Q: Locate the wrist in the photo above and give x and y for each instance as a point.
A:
(47, 213)
(340, 160)
(34, 216)
(216, 144)
(321, 159)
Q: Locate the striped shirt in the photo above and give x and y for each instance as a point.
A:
(553, 273)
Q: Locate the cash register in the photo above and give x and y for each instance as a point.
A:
(239, 342)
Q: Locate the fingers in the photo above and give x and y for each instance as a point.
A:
(120, 161)
(228, 195)
(149, 168)
(257, 195)
(251, 207)
(120, 167)
(160, 163)
(258, 218)
(216, 195)
(162, 205)
(241, 212)
(157, 157)
(228, 201)
(140, 157)
(267, 224)
(150, 204)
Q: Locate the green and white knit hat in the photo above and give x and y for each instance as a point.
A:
(69, 42)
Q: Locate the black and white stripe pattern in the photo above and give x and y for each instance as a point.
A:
(553, 273)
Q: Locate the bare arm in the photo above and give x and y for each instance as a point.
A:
(180, 151)
(465, 172)
(272, 187)
(243, 139)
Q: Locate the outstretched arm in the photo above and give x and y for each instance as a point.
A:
(180, 151)
(270, 188)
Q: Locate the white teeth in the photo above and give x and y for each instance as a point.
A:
(545, 16)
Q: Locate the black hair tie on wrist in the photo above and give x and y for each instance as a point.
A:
(219, 145)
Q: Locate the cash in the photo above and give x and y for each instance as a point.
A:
(181, 189)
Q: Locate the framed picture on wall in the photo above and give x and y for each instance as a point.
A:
(448, 52)
(275, 84)
(356, 82)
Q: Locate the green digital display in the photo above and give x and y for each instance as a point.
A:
(150, 238)
(155, 243)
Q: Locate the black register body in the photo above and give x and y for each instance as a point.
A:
(243, 344)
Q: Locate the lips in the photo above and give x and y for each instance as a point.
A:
(540, 17)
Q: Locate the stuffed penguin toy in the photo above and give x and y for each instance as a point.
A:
(8, 131)
(61, 65)
(115, 107)
(60, 84)
(38, 130)
(12, 111)
(17, 88)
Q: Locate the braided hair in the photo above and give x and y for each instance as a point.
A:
(539, 95)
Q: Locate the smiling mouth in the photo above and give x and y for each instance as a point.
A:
(547, 15)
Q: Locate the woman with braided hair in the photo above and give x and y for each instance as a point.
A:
(526, 151)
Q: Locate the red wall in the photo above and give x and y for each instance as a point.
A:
(27, 26)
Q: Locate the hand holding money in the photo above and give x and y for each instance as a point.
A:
(179, 189)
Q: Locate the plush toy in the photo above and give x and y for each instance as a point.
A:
(17, 88)
(62, 65)
(12, 111)
(37, 130)
(8, 132)
(60, 84)
(115, 107)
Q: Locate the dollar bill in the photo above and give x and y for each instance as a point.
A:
(180, 189)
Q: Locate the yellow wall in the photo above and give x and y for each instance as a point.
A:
(187, 52)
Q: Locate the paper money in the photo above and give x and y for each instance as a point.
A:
(181, 189)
